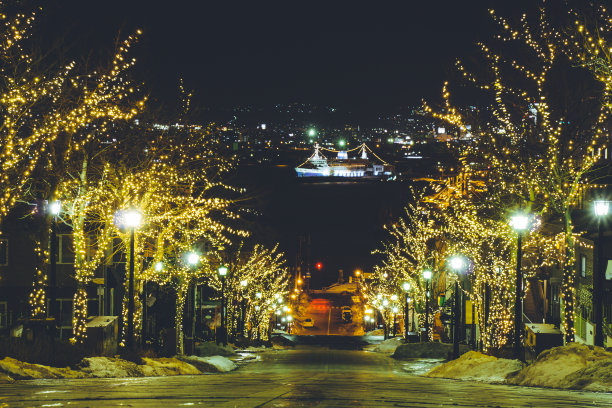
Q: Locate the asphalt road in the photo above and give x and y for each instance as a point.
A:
(309, 376)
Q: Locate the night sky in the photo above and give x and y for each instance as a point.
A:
(366, 59)
(359, 57)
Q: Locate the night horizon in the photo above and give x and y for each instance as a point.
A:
(358, 59)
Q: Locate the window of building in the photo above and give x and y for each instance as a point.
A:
(66, 249)
(3, 315)
(609, 270)
(583, 260)
(4, 251)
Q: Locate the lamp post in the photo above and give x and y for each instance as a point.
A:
(223, 273)
(394, 300)
(427, 277)
(243, 285)
(520, 223)
(54, 209)
(406, 287)
(601, 209)
(131, 219)
(457, 264)
(385, 304)
(192, 260)
(395, 310)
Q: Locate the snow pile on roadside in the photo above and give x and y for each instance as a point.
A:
(420, 366)
(252, 349)
(389, 345)
(6, 379)
(107, 367)
(426, 350)
(20, 370)
(153, 367)
(597, 376)
(103, 367)
(575, 366)
(210, 348)
(212, 364)
(377, 332)
(476, 366)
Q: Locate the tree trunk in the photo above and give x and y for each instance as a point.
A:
(568, 288)
(178, 319)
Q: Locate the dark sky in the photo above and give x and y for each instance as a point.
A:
(367, 56)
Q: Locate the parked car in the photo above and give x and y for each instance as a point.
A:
(308, 322)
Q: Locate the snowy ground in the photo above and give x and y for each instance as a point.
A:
(476, 366)
(107, 367)
(575, 366)
(387, 346)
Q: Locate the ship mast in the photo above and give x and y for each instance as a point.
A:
(364, 153)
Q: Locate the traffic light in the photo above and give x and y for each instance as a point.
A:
(319, 266)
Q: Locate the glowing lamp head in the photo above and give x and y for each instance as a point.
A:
(357, 272)
(243, 283)
(394, 297)
(519, 222)
(457, 263)
(601, 208)
(341, 143)
(222, 270)
(55, 207)
(427, 274)
(159, 266)
(193, 258)
(395, 310)
(385, 302)
(312, 132)
(132, 218)
(258, 295)
(319, 265)
(406, 286)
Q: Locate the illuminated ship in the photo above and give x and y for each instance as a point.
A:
(318, 165)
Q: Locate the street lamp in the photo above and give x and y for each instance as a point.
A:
(520, 223)
(427, 277)
(406, 287)
(458, 265)
(222, 274)
(395, 310)
(601, 209)
(243, 285)
(193, 259)
(385, 304)
(131, 219)
(55, 208)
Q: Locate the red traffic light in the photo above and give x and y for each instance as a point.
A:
(319, 265)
